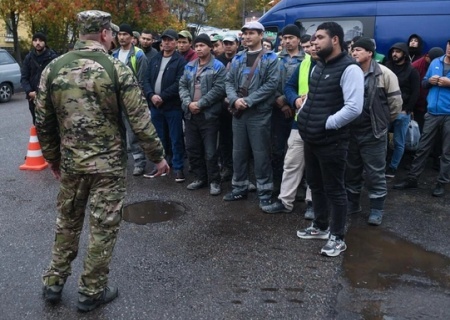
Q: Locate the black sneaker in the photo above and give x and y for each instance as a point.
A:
(53, 294)
(390, 172)
(138, 171)
(179, 176)
(408, 183)
(439, 190)
(234, 196)
(86, 303)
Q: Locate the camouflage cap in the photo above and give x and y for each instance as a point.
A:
(93, 21)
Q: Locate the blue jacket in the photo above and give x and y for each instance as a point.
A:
(169, 83)
(212, 83)
(140, 60)
(438, 97)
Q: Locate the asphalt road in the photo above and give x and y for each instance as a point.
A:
(218, 260)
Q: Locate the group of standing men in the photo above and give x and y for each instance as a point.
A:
(343, 111)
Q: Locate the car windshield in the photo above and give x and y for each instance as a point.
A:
(5, 58)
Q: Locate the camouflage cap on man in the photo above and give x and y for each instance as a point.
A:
(94, 21)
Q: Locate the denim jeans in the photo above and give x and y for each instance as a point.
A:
(174, 121)
(325, 173)
(400, 127)
(366, 164)
(201, 147)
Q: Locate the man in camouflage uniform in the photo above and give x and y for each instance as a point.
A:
(78, 118)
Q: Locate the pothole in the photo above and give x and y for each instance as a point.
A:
(152, 211)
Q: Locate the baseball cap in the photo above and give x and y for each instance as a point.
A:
(230, 37)
(170, 33)
(216, 38)
(253, 25)
(185, 34)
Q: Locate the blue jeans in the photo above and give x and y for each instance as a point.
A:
(174, 120)
(400, 127)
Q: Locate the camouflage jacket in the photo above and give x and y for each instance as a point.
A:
(78, 115)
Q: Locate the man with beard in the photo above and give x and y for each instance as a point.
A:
(409, 81)
(35, 61)
(335, 98)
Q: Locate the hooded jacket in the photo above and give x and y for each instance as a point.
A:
(415, 53)
(408, 77)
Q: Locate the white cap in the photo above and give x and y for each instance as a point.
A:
(253, 25)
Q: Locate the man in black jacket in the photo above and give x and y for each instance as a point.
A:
(35, 61)
(335, 98)
(161, 90)
(409, 81)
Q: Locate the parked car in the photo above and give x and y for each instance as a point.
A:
(9, 76)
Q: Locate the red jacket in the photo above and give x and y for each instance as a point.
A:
(422, 66)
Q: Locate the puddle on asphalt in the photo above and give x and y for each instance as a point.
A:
(151, 211)
(378, 259)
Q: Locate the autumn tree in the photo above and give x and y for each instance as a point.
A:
(11, 11)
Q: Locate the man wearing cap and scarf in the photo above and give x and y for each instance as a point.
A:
(368, 133)
(184, 45)
(82, 136)
(437, 122)
(161, 90)
(251, 129)
(202, 89)
(135, 59)
(33, 64)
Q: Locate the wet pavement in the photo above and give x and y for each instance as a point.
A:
(187, 255)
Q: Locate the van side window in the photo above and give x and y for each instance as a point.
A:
(352, 26)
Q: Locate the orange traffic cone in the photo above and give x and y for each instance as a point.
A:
(34, 159)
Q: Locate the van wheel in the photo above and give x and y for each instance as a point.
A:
(5, 92)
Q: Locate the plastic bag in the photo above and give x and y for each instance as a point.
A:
(412, 136)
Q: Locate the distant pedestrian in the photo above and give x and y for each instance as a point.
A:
(33, 64)
(79, 124)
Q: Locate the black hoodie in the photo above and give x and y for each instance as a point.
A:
(415, 53)
(408, 77)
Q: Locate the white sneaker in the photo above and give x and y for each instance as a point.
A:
(334, 247)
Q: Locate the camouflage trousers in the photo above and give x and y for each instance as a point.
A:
(105, 195)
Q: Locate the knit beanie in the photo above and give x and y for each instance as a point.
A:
(365, 43)
(203, 38)
(291, 29)
(124, 27)
(39, 35)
